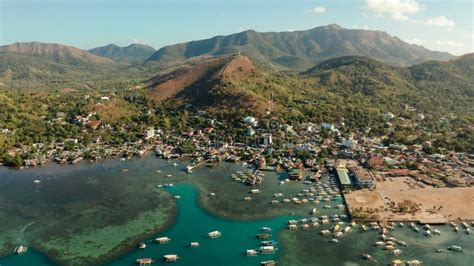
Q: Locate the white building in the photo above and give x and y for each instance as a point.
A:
(150, 133)
(250, 120)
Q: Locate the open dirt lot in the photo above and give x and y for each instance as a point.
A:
(436, 204)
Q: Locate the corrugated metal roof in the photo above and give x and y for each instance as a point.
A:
(342, 173)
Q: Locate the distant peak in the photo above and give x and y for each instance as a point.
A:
(334, 26)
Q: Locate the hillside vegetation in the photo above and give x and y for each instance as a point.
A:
(302, 49)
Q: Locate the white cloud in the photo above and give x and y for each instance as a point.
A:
(400, 10)
(135, 41)
(290, 30)
(450, 43)
(397, 9)
(317, 10)
(440, 21)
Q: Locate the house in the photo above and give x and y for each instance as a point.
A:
(328, 126)
(267, 139)
(399, 172)
(250, 120)
(150, 133)
(388, 116)
(93, 124)
(250, 131)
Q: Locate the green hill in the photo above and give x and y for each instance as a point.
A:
(132, 54)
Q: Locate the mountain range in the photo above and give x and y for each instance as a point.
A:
(133, 53)
(302, 49)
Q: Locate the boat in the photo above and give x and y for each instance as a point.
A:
(141, 245)
(313, 211)
(144, 261)
(456, 248)
(194, 244)
(20, 249)
(268, 263)
(396, 252)
(36, 181)
(251, 252)
(267, 249)
(269, 243)
(214, 234)
(169, 175)
(403, 243)
(175, 164)
(170, 257)
(334, 240)
(366, 256)
(163, 240)
(397, 263)
(413, 263)
(263, 236)
(266, 229)
(177, 197)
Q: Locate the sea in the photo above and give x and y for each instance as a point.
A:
(97, 214)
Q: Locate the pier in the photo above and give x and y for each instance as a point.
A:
(190, 167)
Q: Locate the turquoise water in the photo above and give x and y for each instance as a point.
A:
(193, 224)
(72, 200)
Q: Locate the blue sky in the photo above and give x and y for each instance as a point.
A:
(438, 25)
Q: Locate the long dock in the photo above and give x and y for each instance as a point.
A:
(190, 167)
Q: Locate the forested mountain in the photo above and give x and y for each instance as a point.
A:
(133, 53)
(57, 53)
(303, 49)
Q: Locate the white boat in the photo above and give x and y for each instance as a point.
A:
(20, 249)
(177, 197)
(251, 252)
(214, 234)
(170, 257)
(142, 245)
(334, 240)
(194, 244)
(267, 249)
(456, 248)
(163, 240)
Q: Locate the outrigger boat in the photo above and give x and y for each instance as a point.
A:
(456, 248)
(170, 257)
(366, 256)
(267, 249)
(163, 240)
(144, 261)
(251, 252)
(263, 236)
(268, 263)
(20, 249)
(194, 244)
(214, 234)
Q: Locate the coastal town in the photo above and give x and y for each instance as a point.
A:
(368, 166)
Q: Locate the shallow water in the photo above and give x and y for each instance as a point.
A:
(91, 213)
(193, 224)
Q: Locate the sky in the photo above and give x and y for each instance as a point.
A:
(438, 25)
